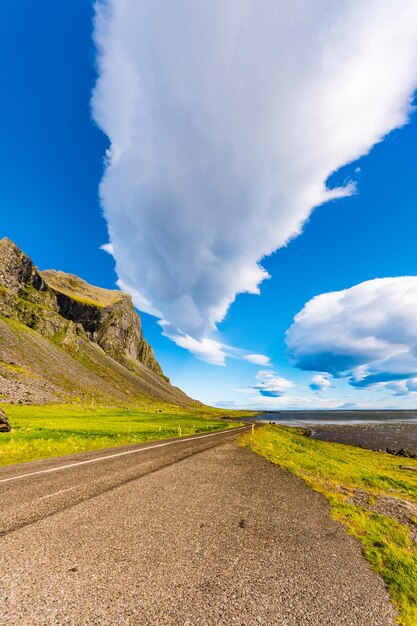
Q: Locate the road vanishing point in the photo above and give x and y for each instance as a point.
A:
(186, 532)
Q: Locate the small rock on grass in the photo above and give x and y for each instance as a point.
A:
(4, 422)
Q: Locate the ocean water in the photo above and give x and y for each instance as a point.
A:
(376, 430)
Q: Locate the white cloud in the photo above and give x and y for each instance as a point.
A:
(258, 359)
(225, 120)
(367, 332)
(320, 382)
(206, 349)
(270, 385)
(107, 247)
(138, 298)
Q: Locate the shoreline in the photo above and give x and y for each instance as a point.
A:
(390, 438)
(359, 428)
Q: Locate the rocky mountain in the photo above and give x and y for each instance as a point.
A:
(62, 339)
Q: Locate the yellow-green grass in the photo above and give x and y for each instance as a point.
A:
(355, 481)
(53, 430)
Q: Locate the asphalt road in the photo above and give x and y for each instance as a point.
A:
(189, 532)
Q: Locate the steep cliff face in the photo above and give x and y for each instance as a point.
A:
(107, 317)
(99, 329)
(24, 296)
(17, 272)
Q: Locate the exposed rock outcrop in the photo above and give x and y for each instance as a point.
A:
(98, 328)
(107, 317)
(17, 271)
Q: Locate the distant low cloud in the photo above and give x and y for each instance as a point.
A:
(301, 402)
(268, 384)
(320, 382)
(271, 385)
(245, 390)
(225, 120)
(367, 333)
(397, 389)
(258, 359)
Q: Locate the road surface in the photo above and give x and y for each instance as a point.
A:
(197, 531)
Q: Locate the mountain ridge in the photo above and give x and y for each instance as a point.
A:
(93, 336)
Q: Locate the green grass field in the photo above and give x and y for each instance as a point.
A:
(368, 492)
(46, 431)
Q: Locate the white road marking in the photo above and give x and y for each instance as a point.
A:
(56, 493)
(111, 456)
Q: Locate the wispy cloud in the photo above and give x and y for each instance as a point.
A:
(258, 359)
(245, 390)
(305, 402)
(107, 247)
(225, 120)
(367, 333)
(287, 402)
(206, 349)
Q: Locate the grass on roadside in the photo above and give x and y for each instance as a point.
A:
(53, 430)
(368, 492)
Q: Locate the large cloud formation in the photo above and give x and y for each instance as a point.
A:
(225, 120)
(367, 333)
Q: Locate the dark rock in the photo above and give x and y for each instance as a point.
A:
(4, 422)
(405, 453)
(390, 451)
(17, 271)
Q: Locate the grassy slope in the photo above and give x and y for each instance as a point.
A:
(357, 483)
(78, 289)
(53, 430)
(51, 374)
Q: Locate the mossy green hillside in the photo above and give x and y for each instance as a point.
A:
(48, 431)
(368, 492)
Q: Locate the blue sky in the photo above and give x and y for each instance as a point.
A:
(52, 162)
